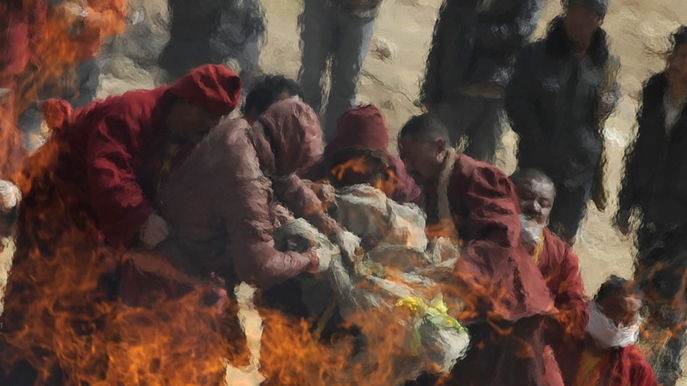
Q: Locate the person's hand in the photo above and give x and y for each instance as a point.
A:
(349, 244)
(325, 192)
(10, 196)
(154, 231)
(314, 265)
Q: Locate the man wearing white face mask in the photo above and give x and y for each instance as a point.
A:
(608, 355)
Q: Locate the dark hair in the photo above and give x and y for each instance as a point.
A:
(520, 176)
(679, 37)
(424, 128)
(265, 91)
(353, 166)
(616, 285)
(558, 43)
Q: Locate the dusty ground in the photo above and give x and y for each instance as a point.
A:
(636, 27)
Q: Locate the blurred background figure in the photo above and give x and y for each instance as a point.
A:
(338, 32)
(563, 89)
(655, 189)
(214, 31)
(469, 65)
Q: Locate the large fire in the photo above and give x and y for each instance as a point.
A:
(68, 321)
(45, 43)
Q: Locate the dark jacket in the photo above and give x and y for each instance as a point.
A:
(475, 43)
(209, 31)
(554, 102)
(656, 164)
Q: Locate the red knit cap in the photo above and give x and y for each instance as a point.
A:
(361, 127)
(213, 86)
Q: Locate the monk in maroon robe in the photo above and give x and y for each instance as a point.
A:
(607, 354)
(558, 264)
(106, 160)
(364, 127)
(504, 293)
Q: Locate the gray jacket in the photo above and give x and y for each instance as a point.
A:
(557, 104)
(475, 42)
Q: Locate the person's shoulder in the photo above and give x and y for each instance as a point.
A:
(129, 104)
(563, 250)
(640, 366)
(481, 171)
(230, 132)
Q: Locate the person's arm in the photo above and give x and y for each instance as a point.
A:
(116, 195)
(498, 36)
(245, 213)
(298, 195)
(641, 373)
(569, 297)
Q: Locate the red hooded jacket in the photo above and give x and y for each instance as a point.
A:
(111, 150)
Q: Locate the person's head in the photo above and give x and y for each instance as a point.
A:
(423, 144)
(536, 192)
(582, 18)
(288, 136)
(676, 68)
(200, 99)
(353, 166)
(614, 313)
(267, 90)
(361, 127)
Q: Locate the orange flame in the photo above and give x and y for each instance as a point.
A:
(45, 44)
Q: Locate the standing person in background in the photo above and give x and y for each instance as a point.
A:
(469, 65)
(563, 89)
(655, 187)
(214, 31)
(338, 31)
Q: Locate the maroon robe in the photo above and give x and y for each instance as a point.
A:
(504, 292)
(104, 159)
(622, 366)
(497, 277)
(561, 269)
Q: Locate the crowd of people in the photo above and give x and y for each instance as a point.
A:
(171, 171)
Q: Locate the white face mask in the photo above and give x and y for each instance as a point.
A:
(606, 333)
(532, 232)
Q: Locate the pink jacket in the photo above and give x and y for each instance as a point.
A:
(218, 202)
